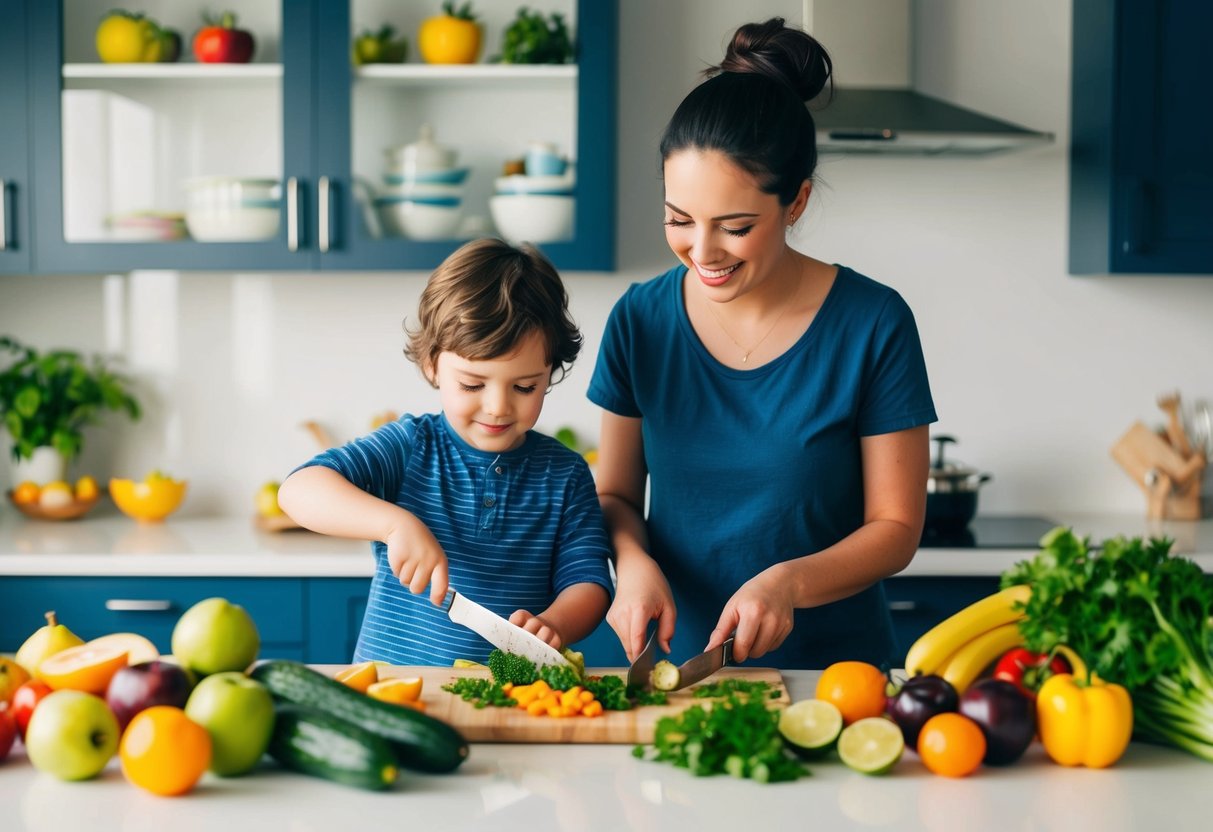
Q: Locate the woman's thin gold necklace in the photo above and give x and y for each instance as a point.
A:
(745, 354)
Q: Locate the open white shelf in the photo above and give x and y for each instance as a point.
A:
(454, 75)
(171, 72)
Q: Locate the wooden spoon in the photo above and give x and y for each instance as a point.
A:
(1169, 402)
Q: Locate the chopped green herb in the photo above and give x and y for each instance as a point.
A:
(510, 667)
(480, 692)
(730, 687)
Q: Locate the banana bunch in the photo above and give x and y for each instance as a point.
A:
(961, 646)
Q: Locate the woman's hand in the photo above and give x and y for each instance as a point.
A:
(641, 594)
(759, 615)
(536, 625)
(416, 557)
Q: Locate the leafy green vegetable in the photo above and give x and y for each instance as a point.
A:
(533, 39)
(480, 692)
(510, 667)
(559, 677)
(463, 12)
(1137, 616)
(736, 736)
(731, 687)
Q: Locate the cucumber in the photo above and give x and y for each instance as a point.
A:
(420, 742)
(322, 745)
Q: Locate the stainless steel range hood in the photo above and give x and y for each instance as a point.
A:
(892, 59)
(908, 122)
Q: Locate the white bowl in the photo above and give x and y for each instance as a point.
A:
(533, 218)
(231, 225)
(421, 190)
(419, 220)
(398, 174)
(519, 183)
(230, 189)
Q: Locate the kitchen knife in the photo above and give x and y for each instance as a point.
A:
(705, 664)
(638, 673)
(499, 632)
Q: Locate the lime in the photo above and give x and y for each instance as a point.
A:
(568, 437)
(872, 745)
(810, 727)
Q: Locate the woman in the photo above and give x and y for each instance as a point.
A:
(776, 404)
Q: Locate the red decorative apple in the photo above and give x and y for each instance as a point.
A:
(143, 685)
(220, 42)
(8, 729)
(25, 698)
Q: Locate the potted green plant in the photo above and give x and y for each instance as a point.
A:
(47, 399)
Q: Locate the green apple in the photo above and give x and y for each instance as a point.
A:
(215, 635)
(238, 713)
(71, 735)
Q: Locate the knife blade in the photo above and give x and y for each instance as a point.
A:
(705, 664)
(499, 632)
(638, 672)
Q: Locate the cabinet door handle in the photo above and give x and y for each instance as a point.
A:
(323, 238)
(903, 606)
(137, 605)
(3, 214)
(292, 214)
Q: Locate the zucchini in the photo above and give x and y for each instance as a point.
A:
(322, 745)
(420, 742)
(665, 675)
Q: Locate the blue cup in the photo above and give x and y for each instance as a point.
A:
(543, 160)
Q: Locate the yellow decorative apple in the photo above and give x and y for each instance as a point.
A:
(267, 500)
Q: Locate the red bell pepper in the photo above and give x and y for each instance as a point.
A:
(1027, 670)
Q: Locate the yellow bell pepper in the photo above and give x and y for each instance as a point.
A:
(1083, 725)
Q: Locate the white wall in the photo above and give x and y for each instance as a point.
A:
(1036, 372)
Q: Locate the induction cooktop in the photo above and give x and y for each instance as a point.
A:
(992, 532)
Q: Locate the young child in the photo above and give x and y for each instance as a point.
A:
(471, 497)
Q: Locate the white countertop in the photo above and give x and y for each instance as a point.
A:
(107, 542)
(583, 788)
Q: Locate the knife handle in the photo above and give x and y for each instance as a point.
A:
(448, 599)
(727, 647)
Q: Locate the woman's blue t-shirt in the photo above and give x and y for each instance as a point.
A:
(748, 468)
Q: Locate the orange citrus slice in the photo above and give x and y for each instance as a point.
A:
(398, 691)
(359, 676)
(86, 667)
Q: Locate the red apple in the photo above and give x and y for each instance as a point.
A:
(143, 685)
(25, 698)
(8, 729)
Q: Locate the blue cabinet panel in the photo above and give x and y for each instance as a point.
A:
(335, 607)
(919, 603)
(14, 144)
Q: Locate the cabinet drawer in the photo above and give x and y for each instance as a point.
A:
(918, 604)
(93, 607)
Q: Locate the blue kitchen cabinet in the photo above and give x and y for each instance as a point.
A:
(15, 180)
(335, 607)
(150, 606)
(326, 218)
(919, 603)
(1141, 174)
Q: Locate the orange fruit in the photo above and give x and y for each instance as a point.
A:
(359, 676)
(951, 744)
(164, 751)
(86, 667)
(398, 691)
(26, 493)
(86, 488)
(12, 676)
(856, 688)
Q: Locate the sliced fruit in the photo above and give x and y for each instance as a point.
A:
(466, 663)
(359, 676)
(138, 649)
(86, 667)
(397, 691)
(810, 727)
(872, 745)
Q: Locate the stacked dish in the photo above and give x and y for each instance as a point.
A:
(422, 193)
(535, 209)
(231, 208)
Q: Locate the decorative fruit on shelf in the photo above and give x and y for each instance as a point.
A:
(215, 635)
(164, 751)
(72, 735)
(238, 713)
(450, 38)
(57, 494)
(380, 47)
(267, 500)
(12, 676)
(141, 686)
(26, 493)
(149, 501)
(86, 488)
(124, 37)
(46, 641)
(220, 42)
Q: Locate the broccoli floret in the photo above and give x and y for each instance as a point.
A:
(559, 676)
(509, 667)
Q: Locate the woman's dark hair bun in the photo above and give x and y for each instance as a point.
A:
(787, 54)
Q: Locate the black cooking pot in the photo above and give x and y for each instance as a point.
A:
(951, 492)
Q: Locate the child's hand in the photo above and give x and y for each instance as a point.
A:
(417, 559)
(535, 624)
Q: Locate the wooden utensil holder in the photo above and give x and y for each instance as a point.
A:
(1171, 482)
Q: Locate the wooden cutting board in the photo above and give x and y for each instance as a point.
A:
(515, 725)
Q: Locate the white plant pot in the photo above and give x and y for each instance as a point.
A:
(46, 465)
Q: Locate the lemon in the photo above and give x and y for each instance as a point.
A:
(359, 676)
(267, 500)
(124, 39)
(86, 488)
(810, 727)
(397, 691)
(57, 494)
(465, 663)
(872, 745)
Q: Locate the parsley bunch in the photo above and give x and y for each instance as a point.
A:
(1138, 617)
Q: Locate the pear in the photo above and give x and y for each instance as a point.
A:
(46, 641)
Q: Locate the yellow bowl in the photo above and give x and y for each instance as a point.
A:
(147, 502)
